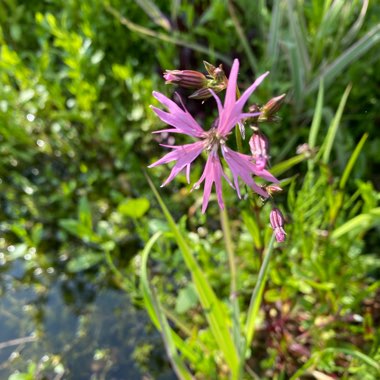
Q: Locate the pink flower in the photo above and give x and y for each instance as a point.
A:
(230, 114)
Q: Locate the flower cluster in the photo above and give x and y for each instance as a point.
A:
(213, 142)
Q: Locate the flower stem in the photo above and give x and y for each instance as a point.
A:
(229, 248)
(236, 328)
(257, 293)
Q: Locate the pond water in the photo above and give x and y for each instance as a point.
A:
(64, 326)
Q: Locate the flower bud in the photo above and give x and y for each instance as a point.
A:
(185, 78)
(272, 189)
(269, 110)
(277, 223)
(259, 149)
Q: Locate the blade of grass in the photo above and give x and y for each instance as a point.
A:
(317, 356)
(151, 9)
(351, 161)
(166, 38)
(287, 164)
(353, 53)
(351, 34)
(216, 316)
(316, 123)
(358, 224)
(296, 73)
(298, 38)
(242, 37)
(158, 316)
(333, 128)
(274, 34)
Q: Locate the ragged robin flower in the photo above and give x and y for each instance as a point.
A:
(212, 142)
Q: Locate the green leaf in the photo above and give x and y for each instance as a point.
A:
(352, 54)
(358, 224)
(314, 129)
(155, 311)
(253, 229)
(84, 213)
(84, 261)
(287, 164)
(351, 162)
(216, 315)
(134, 208)
(187, 299)
(333, 128)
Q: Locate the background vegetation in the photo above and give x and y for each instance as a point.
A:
(75, 138)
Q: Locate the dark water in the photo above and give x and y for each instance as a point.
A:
(72, 329)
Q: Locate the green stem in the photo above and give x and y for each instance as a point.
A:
(229, 248)
(257, 296)
(236, 329)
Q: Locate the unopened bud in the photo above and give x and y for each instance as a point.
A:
(215, 72)
(259, 149)
(272, 189)
(269, 110)
(306, 150)
(185, 78)
(277, 223)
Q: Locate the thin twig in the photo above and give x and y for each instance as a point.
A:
(164, 37)
(17, 341)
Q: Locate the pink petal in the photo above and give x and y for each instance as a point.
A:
(212, 173)
(248, 92)
(230, 98)
(241, 166)
(184, 155)
(232, 112)
(176, 117)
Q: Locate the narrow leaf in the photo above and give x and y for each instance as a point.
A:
(351, 161)
(333, 128)
(217, 318)
(352, 54)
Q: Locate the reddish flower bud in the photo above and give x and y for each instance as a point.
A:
(185, 78)
(259, 149)
(269, 110)
(277, 223)
(271, 189)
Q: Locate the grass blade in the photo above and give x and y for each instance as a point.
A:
(358, 224)
(351, 161)
(158, 316)
(243, 39)
(351, 34)
(333, 128)
(287, 164)
(151, 9)
(298, 38)
(316, 123)
(165, 37)
(217, 318)
(274, 34)
(353, 53)
(317, 356)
